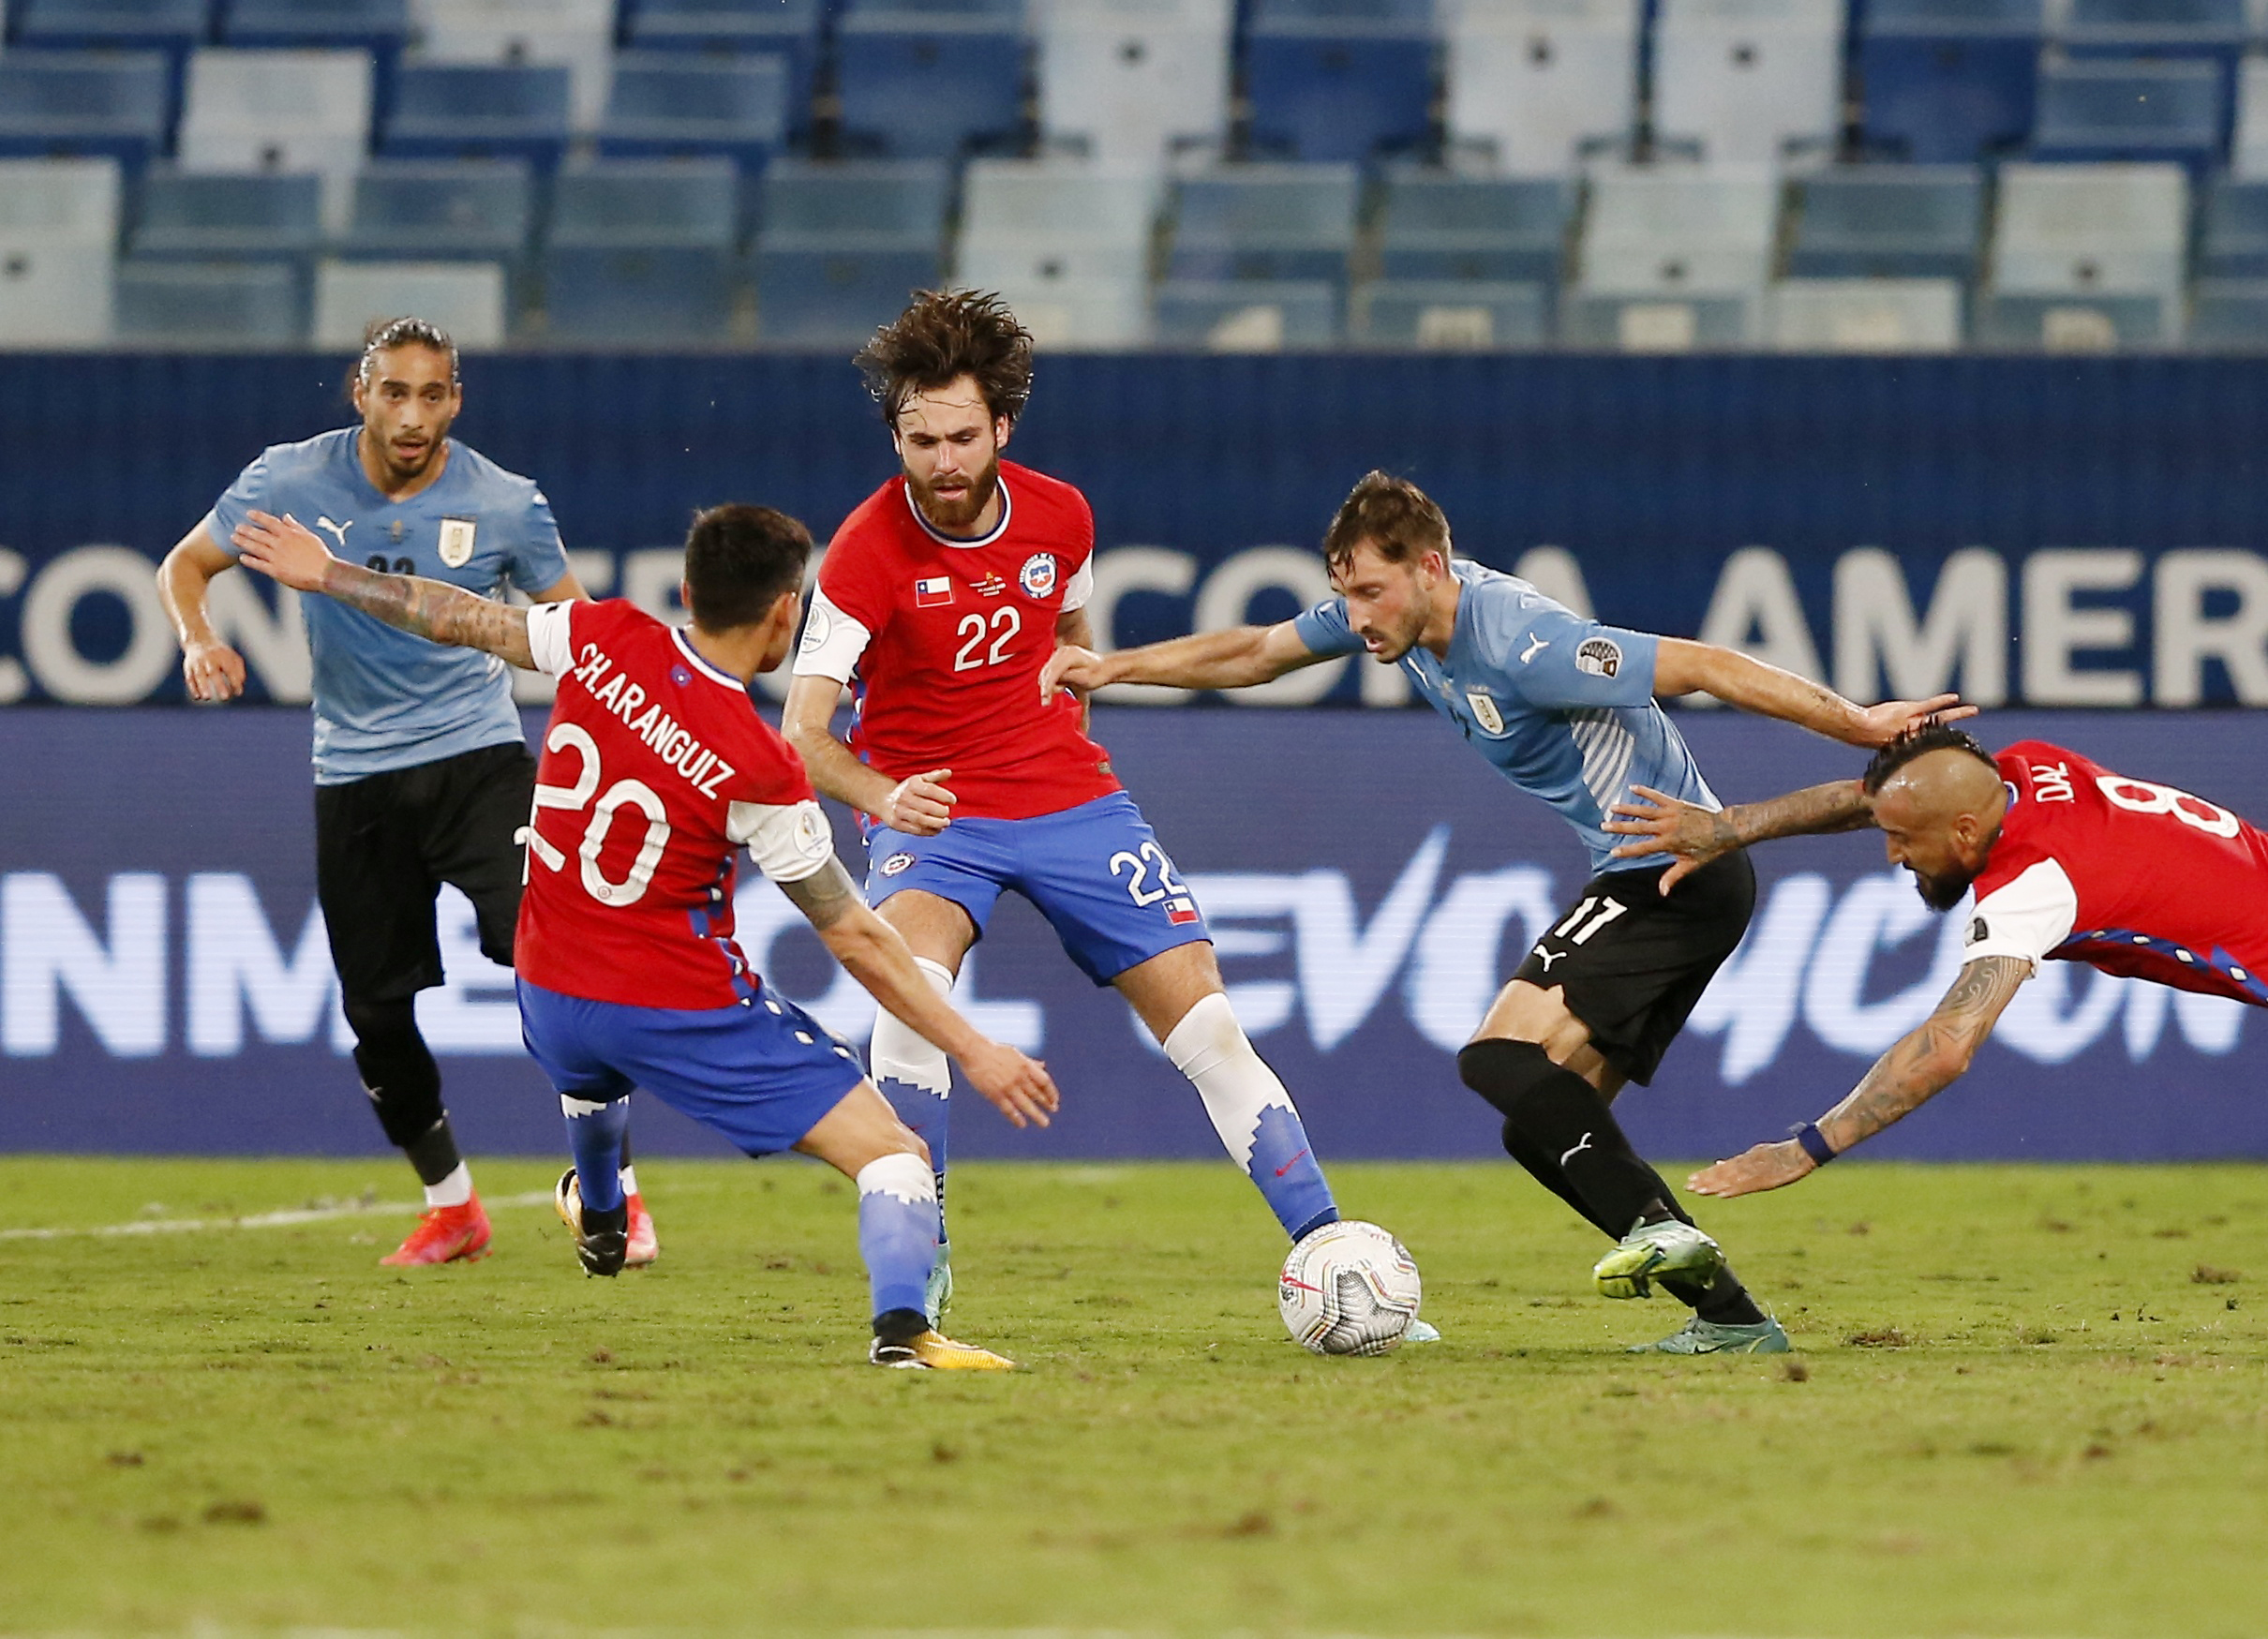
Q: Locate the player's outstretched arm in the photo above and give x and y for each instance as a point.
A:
(1684, 667)
(1664, 825)
(874, 953)
(1236, 659)
(1919, 1067)
(292, 554)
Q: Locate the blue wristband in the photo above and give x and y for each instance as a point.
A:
(1814, 1142)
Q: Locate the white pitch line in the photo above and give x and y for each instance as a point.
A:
(275, 1220)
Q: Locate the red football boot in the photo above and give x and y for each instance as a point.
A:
(644, 1245)
(444, 1234)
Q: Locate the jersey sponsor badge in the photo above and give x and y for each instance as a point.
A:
(1485, 711)
(456, 541)
(1602, 657)
(817, 628)
(897, 863)
(1038, 575)
(933, 592)
(992, 585)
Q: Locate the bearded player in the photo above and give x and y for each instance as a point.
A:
(2068, 861)
(656, 771)
(938, 602)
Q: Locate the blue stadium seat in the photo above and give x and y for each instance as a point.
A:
(441, 210)
(188, 215)
(667, 103)
(1271, 222)
(2132, 108)
(1247, 315)
(2033, 323)
(173, 26)
(209, 305)
(456, 110)
(1888, 223)
(927, 78)
(643, 251)
(1459, 316)
(2233, 242)
(378, 26)
(1340, 79)
(84, 103)
(843, 244)
(1948, 81)
(2213, 30)
(2228, 316)
(1436, 225)
(787, 29)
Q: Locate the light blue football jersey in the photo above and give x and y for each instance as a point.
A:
(384, 698)
(1562, 706)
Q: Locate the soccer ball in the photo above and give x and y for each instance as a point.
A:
(1349, 1289)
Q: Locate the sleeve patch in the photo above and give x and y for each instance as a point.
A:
(1599, 657)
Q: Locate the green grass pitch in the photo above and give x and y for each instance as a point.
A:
(2027, 1401)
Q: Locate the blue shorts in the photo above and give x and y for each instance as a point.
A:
(763, 1073)
(1095, 872)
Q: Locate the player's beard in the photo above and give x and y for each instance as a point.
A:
(955, 518)
(1942, 893)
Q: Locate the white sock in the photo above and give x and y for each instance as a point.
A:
(630, 1181)
(1210, 1048)
(453, 1190)
(902, 1053)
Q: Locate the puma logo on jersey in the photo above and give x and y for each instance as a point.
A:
(1535, 647)
(338, 531)
(1576, 1151)
(1548, 957)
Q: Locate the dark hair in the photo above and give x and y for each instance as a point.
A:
(1393, 514)
(738, 561)
(1931, 735)
(383, 334)
(945, 335)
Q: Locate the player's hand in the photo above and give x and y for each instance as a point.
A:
(284, 549)
(213, 670)
(1080, 670)
(1019, 1087)
(1664, 825)
(1881, 724)
(919, 805)
(1764, 1167)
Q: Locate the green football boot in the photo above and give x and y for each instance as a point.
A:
(937, 1296)
(1650, 1251)
(1699, 1337)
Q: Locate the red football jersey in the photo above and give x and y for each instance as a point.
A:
(2131, 876)
(656, 768)
(944, 639)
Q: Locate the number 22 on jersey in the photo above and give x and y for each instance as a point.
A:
(973, 630)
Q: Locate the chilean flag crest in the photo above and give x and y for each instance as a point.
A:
(931, 591)
(1179, 911)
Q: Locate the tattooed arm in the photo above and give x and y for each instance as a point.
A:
(291, 553)
(1921, 1065)
(1697, 835)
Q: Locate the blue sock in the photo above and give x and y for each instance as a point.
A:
(1289, 1175)
(1252, 1113)
(916, 1078)
(595, 1134)
(897, 1231)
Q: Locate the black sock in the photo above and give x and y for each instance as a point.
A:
(1560, 1116)
(1545, 1169)
(901, 1325)
(433, 1153)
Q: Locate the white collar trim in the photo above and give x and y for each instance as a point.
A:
(935, 533)
(702, 667)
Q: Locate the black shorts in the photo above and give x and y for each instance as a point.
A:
(1633, 961)
(384, 844)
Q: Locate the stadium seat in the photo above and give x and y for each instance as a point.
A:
(2034, 322)
(280, 111)
(1128, 77)
(666, 104)
(1621, 322)
(2232, 237)
(1948, 81)
(84, 104)
(925, 78)
(1436, 225)
(58, 236)
(1457, 315)
(786, 29)
(1340, 79)
(267, 217)
(379, 27)
(1246, 316)
(1674, 258)
(576, 35)
(1888, 222)
(465, 298)
(467, 110)
(1067, 241)
(2093, 111)
(2208, 30)
(2086, 257)
(2228, 316)
(1272, 222)
(1866, 315)
(1540, 79)
(843, 244)
(214, 305)
(644, 251)
(173, 26)
(441, 210)
(2248, 153)
(1748, 77)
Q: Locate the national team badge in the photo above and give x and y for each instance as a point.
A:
(896, 863)
(456, 541)
(1602, 657)
(1485, 711)
(932, 590)
(1038, 575)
